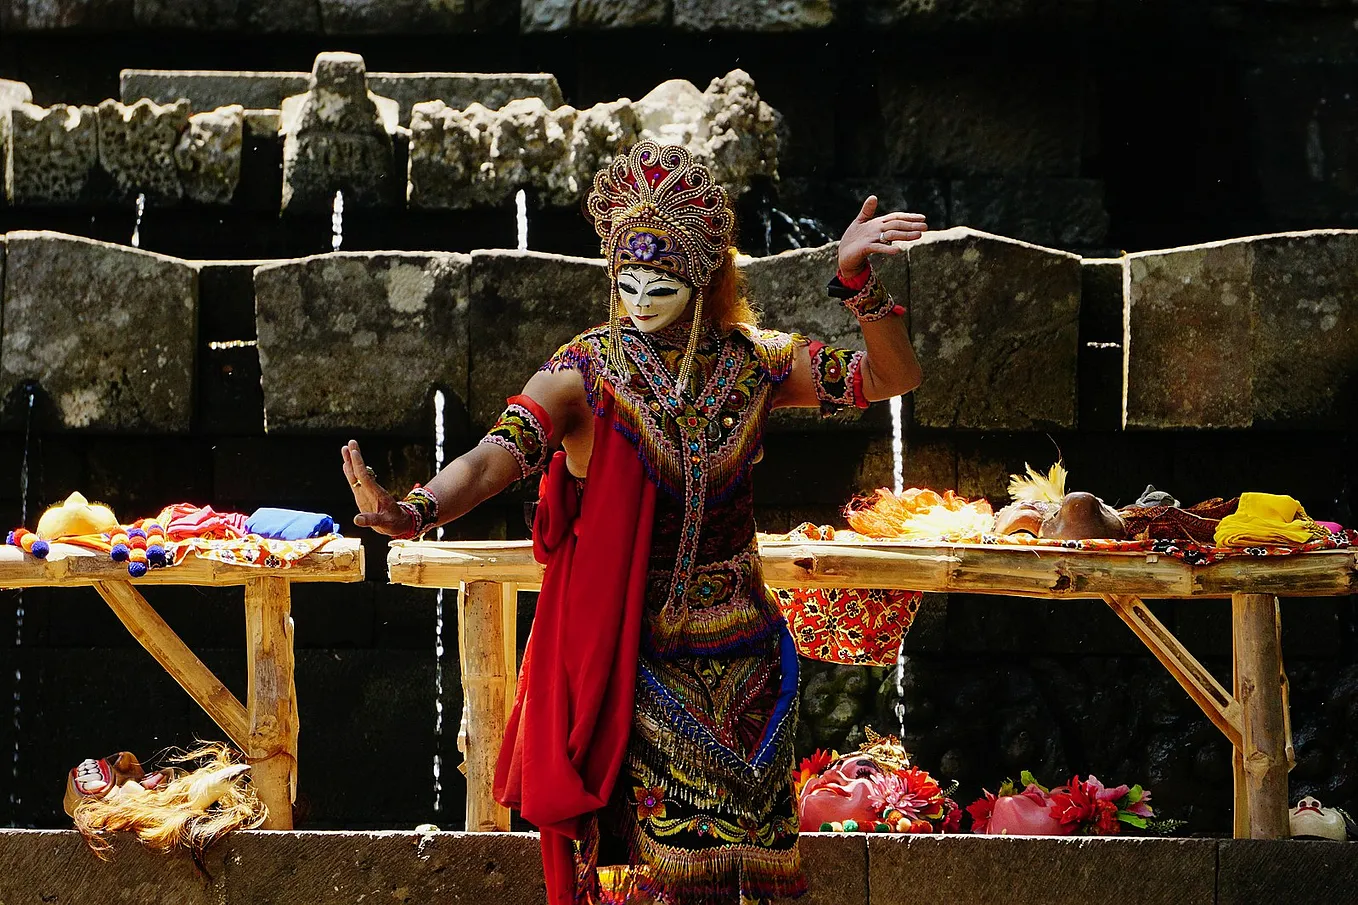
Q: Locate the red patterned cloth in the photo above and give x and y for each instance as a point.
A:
(850, 626)
(567, 735)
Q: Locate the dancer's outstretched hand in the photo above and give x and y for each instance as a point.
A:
(377, 508)
(869, 234)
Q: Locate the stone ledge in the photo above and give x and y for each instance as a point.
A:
(995, 323)
(1257, 872)
(400, 324)
(44, 866)
(1254, 331)
(981, 870)
(123, 357)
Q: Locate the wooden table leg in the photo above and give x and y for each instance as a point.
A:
(1258, 663)
(271, 702)
(481, 628)
(510, 620)
(1241, 790)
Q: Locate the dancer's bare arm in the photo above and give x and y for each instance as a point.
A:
(480, 473)
(889, 368)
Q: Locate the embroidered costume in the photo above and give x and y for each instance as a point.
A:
(694, 791)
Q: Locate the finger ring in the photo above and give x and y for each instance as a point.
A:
(356, 484)
(881, 237)
(372, 473)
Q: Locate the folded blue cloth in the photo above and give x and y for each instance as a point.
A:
(290, 524)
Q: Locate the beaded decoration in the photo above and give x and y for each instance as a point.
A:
(837, 375)
(525, 431)
(872, 302)
(29, 542)
(423, 508)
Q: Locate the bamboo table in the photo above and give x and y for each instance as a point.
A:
(265, 727)
(1253, 716)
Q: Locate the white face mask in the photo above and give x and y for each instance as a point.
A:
(652, 298)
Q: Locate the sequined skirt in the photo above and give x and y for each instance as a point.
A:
(704, 807)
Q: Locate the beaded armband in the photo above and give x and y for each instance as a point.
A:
(837, 375)
(525, 430)
(870, 303)
(423, 508)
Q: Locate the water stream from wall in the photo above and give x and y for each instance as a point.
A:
(136, 227)
(15, 797)
(439, 403)
(337, 221)
(897, 446)
(521, 218)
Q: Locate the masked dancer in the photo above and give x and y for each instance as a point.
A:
(656, 707)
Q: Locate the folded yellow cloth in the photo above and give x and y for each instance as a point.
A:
(1267, 518)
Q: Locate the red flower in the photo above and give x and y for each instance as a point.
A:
(1073, 804)
(980, 810)
(952, 817)
(1106, 821)
(811, 767)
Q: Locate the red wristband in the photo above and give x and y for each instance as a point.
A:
(856, 282)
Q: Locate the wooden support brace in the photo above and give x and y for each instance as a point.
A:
(481, 629)
(1259, 664)
(174, 655)
(272, 699)
(1221, 708)
(1287, 688)
(1241, 821)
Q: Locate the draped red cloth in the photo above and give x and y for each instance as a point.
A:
(567, 735)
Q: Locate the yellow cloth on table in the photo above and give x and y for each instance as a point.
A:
(1267, 518)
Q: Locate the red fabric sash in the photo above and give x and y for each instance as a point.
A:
(567, 735)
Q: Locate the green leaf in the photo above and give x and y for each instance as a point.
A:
(1006, 789)
(1132, 819)
(1029, 779)
(1134, 794)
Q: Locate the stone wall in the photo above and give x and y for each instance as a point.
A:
(1090, 127)
(1103, 124)
(327, 347)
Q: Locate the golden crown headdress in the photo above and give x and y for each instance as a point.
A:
(656, 207)
(887, 750)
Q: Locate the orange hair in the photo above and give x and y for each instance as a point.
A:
(724, 301)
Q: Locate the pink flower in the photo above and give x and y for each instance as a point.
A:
(1104, 794)
(1143, 807)
(913, 792)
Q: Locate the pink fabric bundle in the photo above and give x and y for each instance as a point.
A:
(185, 520)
